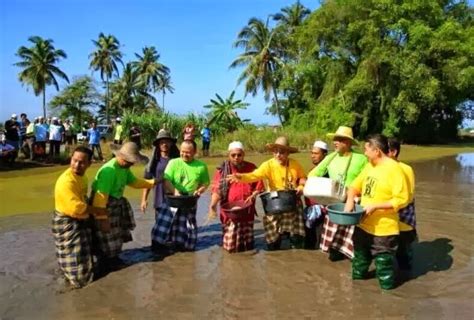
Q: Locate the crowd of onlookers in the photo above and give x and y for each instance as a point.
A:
(43, 139)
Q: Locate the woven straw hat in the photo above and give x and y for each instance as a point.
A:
(281, 143)
(342, 132)
(129, 152)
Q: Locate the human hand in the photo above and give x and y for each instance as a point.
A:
(369, 209)
(233, 178)
(143, 206)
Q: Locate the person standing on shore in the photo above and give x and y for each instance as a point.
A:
(206, 139)
(72, 225)
(407, 215)
(383, 189)
(93, 136)
(118, 131)
(189, 131)
(237, 236)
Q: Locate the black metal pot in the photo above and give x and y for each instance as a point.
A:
(277, 202)
(182, 202)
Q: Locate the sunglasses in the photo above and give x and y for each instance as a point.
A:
(280, 151)
(236, 155)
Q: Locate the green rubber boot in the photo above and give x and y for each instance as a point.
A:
(385, 270)
(360, 264)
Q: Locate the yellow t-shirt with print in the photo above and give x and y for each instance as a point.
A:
(275, 173)
(410, 176)
(379, 184)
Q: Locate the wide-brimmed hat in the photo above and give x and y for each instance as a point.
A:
(281, 143)
(129, 151)
(342, 132)
(163, 134)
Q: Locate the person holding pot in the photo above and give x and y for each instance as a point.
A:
(237, 235)
(384, 190)
(107, 192)
(164, 149)
(184, 176)
(342, 165)
(282, 173)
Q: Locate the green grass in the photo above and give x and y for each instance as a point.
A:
(31, 190)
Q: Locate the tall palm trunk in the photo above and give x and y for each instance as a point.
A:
(44, 102)
(107, 101)
(277, 104)
(163, 104)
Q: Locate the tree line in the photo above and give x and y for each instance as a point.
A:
(403, 68)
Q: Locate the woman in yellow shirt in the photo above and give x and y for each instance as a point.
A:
(281, 173)
(383, 190)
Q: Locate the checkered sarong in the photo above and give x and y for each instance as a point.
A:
(72, 238)
(175, 225)
(122, 223)
(277, 224)
(337, 237)
(407, 215)
(237, 236)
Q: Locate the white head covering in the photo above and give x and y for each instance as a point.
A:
(14, 116)
(321, 145)
(236, 145)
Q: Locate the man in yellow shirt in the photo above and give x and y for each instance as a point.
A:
(71, 220)
(383, 190)
(407, 215)
(281, 173)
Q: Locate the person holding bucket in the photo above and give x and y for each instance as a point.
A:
(384, 190)
(176, 222)
(237, 228)
(282, 173)
(164, 149)
(343, 165)
(107, 192)
(407, 215)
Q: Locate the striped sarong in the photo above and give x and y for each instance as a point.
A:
(174, 225)
(407, 215)
(73, 239)
(122, 222)
(337, 237)
(237, 236)
(277, 224)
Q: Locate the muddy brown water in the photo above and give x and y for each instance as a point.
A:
(289, 284)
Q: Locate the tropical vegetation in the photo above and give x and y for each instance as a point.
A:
(403, 68)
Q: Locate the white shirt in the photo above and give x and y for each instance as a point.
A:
(55, 132)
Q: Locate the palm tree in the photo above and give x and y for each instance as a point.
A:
(105, 59)
(223, 112)
(166, 85)
(129, 93)
(39, 66)
(151, 72)
(261, 59)
(292, 16)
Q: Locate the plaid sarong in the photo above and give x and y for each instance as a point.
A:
(407, 215)
(175, 225)
(277, 224)
(337, 237)
(238, 236)
(73, 238)
(122, 223)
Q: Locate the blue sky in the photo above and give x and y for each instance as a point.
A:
(194, 38)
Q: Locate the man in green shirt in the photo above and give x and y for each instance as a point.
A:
(343, 165)
(183, 176)
(107, 192)
(118, 131)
